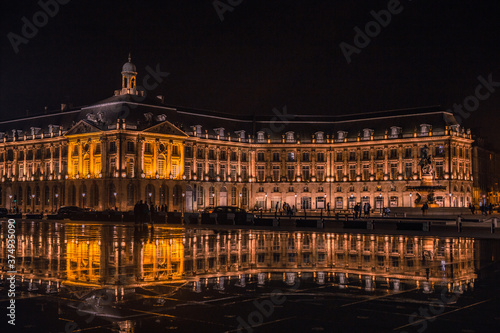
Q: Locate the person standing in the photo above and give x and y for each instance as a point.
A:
(425, 206)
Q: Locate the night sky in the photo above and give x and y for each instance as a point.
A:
(264, 54)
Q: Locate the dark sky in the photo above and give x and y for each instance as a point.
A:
(264, 54)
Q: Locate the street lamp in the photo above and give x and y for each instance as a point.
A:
(115, 201)
(83, 199)
(182, 203)
(411, 204)
(240, 199)
(57, 201)
(10, 196)
(265, 202)
(33, 201)
(380, 202)
(450, 198)
(150, 194)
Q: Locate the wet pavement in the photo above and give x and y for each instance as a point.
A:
(78, 277)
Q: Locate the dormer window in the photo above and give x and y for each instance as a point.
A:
(455, 128)
(367, 133)
(241, 134)
(260, 137)
(219, 131)
(290, 137)
(320, 137)
(341, 135)
(197, 130)
(395, 131)
(424, 129)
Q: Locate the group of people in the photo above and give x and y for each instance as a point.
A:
(287, 209)
(484, 208)
(366, 209)
(145, 213)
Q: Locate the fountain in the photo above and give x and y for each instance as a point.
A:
(425, 191)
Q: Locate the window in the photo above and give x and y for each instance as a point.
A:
(439, 151)
(260, 173)
(175, 170)
(244, 172)
(260, 156)
(305, 172)
(339, 157)
(211, 154)
(320, 173)
(341, 135)
(290, 172)
(199, 170)
(320, 137)
(366, 155)
(393, 153)
(243, 157)
(276, 157)
(222, 171)
(175, 150)
(291, 156)
(352, 172)
(276, 173)
(244, 196)
(320, 157)
(305, 157)
(211, 171)
(424, 129)
(339, 189)
(439, 170)
(200, 153)
(260, 137)
(395, 131)
(408, 170)
(112, 147)
(211, 196)
(380, 154)
(147, 148)
(367, 133)
(289, 137)
(340, 172)
(380, 171)
(408, 153)
(233, 172)
(394, 171)
(352, 156)
(130, 147)
(199, 197)
(366, 172)
(97, 149)
(188, 151)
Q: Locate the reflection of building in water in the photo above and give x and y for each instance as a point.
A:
(96, 254)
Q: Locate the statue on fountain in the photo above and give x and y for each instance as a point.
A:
(425, 162)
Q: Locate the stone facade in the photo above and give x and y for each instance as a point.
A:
(131, 147)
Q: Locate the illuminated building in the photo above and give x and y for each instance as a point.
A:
(132, 147)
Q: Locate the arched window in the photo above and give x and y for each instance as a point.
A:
(199, 196)
(163, 194)
(233, 196)
(73, 195)
(125, 81)
(46, 195)
(161, 165)
(176, 195)
(37, 195)
(132, 82)
(19, 196)
(211, 196)
(149, 194)
(244, 196)
(95, 195)
(28, 195)
(112, 195)
(130, 195)
(86, 165)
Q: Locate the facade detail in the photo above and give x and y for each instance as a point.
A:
(133, 147)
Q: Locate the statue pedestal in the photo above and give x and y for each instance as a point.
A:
(425, 191)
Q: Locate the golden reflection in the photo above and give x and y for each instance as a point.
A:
(97, 254)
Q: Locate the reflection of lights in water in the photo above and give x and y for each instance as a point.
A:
(342, 279)
(242, 281)
(321, 277)
(427, 287)
(261, 279)
(396, 284)
(126, 326)
(197, 286)
(290, 278)
(368, 283)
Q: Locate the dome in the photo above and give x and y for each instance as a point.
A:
(129, 66)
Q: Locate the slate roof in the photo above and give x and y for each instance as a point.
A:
(141, 113)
